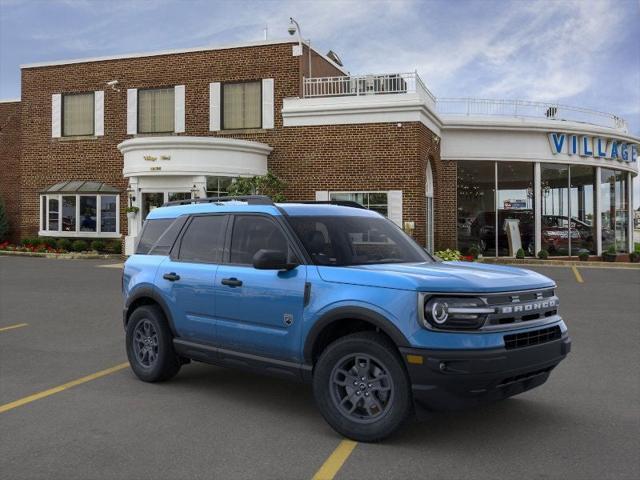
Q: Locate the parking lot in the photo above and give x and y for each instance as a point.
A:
(221, 424)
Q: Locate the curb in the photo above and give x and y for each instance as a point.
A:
(64, 256)
(562, 263)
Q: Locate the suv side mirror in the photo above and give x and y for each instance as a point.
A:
(272, 260)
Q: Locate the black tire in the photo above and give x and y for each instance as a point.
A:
(334, 385)
(150, 345)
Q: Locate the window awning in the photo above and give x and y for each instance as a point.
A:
(81, 186)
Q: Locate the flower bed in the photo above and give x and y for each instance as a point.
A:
(53, 246)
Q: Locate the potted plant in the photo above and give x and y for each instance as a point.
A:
(543, 254)
(520, 254)
(583, 255)
(132, 212)
(635, 255)
(610, 255)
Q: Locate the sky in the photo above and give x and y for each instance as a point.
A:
(584, 53)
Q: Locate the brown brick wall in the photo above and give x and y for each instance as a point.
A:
(341, 157)
(10, 163)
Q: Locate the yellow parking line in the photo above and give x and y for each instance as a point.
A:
(334, 463)
(577, 274)
(11, 327)
(46, 393)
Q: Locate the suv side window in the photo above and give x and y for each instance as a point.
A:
(252, 233)
(151, 232)
(203, 240)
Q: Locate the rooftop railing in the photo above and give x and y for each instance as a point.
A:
(357, 85)
(528, 109)
(402, 83)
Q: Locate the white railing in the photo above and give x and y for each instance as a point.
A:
(357, 85)
(524, 108)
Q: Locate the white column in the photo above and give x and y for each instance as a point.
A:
(598, 214)
(537, 207)
(630, 211)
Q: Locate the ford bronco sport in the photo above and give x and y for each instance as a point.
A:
(339, 297)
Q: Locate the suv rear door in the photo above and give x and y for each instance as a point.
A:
(259, 311)
(186, 279)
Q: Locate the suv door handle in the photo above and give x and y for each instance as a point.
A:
(172, 277)
(232, 282)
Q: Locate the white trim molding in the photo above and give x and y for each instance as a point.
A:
(214, 107)
(391, 108)
(56, 115)
(132, 111)
(179, 101)
(268, 113)
(98, 112)
(183, 155)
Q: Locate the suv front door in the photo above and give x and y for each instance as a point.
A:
(259, 311)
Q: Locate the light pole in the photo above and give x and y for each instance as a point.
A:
(294, 27)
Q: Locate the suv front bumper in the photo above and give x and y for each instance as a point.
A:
(453, 379)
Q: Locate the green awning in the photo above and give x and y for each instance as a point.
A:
(81, 186)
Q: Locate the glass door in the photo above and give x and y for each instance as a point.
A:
(151, 200)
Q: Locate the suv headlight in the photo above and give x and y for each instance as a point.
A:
(455, 312)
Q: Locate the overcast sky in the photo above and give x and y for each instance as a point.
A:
(580, 52)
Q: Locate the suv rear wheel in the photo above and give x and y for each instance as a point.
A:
(149, 345)
(361, 387)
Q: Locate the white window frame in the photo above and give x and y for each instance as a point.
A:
(77, 233)
(386, 192)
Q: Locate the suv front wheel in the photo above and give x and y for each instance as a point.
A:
(361, 387)
(150, 345)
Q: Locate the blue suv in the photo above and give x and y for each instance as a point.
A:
(340, 297)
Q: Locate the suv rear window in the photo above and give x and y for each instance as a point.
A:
(151, 233)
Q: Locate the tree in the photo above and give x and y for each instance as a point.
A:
(268, 184)
(4, 222)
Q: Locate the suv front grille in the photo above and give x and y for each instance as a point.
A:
(535, 337)
(520, 307)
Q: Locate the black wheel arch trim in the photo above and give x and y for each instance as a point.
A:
(352, 313)
(148, 292)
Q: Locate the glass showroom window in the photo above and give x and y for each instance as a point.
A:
(581, 204)
(516, 224)
(219, 186)
(376, 201)
(614, 209)
(555, 208)
(80, 215)
(77, 114)
(241, 105)
(477, 207)
(156, 110)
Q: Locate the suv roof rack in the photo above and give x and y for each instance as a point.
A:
(342, 203)
(250, 199)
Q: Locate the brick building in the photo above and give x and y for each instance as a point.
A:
(91, 137)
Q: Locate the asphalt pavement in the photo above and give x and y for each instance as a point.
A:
(214, 423)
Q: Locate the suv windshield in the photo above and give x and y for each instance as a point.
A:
(357, 240)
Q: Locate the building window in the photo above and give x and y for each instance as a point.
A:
(477, 207)
(78, 114)
(156, 110)
(219, 186)
(614, 209)
(74, 215)
(241, 105)
(516, 225)
(377, 201)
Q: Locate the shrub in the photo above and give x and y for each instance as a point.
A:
(64, 244)
(4, 222)
(611, 250)
(520, 253)
(634, 257)
(47, 242)
(583, 256)
(98, 245)
(29, 242)
(114, 247)
(79, 246)
(543, 254)
(474, 252)
(449, 255)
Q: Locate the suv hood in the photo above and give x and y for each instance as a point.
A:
(458, 277)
